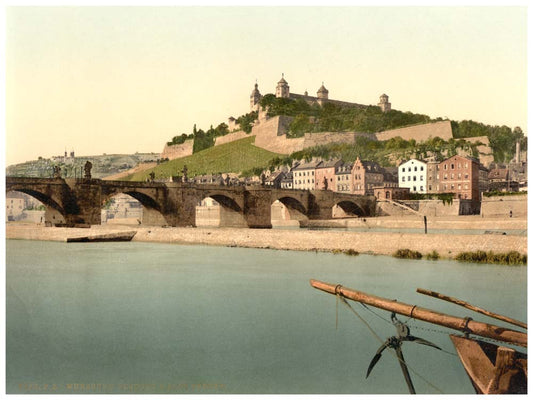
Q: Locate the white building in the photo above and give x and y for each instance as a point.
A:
(412, 174)
(303, 176)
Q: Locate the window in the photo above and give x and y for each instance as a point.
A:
(445, 166)
(459, 186)
(466, 176)
(409, 178)
(414, 178)
(421, 168)
(453, 176)
(459, 166)
(421, 177)
(452, 166)
(459, 175)
(414, 188)
(452, 186)
(466, 185)
(429, 187)
(415, 169)
(409, 169)
(403, 169)
(445, 176)
(421, 188)
(403, 178)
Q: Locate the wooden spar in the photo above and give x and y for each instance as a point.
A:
(413, 311)
(472, 307)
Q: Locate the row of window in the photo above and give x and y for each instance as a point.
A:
(452, 176)
(414, 178)
(415, 169)
(305, 173)
(302, 182)
(452, 186)
(452, 166)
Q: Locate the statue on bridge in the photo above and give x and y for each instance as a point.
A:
(184, 171)
(152, 176)
(57, 171)
(87, 168)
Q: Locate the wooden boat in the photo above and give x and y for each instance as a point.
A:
(106, 237)
(492, 369)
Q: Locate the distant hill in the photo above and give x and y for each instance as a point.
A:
(104, 165)
(235, 157)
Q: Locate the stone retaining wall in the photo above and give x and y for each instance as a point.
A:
(442, 129)
(178, 150)
(230, 137)
(502, 206)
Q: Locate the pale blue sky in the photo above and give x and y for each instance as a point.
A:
(120, 80)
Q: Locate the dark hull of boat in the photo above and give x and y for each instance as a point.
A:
(109, 237)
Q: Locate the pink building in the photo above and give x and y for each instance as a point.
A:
(325, 175)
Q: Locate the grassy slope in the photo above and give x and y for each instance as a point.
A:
(236, 157)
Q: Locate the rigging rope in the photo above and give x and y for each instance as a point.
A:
(339, 296)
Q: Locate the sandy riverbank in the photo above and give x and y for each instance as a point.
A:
(385, 243)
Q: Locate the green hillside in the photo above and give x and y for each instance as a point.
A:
(237, 156)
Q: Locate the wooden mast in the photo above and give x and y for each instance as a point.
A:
(464, 304)
(413, 311)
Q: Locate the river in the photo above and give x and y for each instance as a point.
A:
(159, 318)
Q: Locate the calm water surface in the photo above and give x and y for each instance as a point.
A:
(157, 318)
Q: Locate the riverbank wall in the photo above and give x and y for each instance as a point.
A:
(383, 243)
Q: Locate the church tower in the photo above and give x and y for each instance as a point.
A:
(255, 98)
(384, 103)
(322, 95)
(282, 90)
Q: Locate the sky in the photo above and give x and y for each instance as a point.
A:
(122, 80)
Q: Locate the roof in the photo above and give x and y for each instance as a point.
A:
(330, 163)
(322, 89)
(308, 165)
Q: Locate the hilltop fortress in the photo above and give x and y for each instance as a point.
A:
(271, 132)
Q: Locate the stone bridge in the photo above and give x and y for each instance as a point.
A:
(79, 201)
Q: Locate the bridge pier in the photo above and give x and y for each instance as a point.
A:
(257, 211)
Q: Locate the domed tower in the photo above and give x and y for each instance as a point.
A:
(282, 90)
(322, 94)
(255, 98)
(384, 103)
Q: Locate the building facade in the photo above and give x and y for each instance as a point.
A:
(459, 175)
(303, 176)
(325, 175)
(343, 176)
(365, 176)
(412, 174)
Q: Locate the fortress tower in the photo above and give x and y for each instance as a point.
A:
(384, 103)
(322, 94)
(282, 90)
(255, 98)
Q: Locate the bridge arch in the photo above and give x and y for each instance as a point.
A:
(152, 210)
(55, 213)
(347, 208)
(288, 209)
(224, 212)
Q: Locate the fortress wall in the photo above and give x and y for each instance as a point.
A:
(178, 150)
(270, 134)
(322, 138)
(230, 137)
(442, 129)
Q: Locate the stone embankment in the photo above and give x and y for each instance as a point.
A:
(385, 243)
